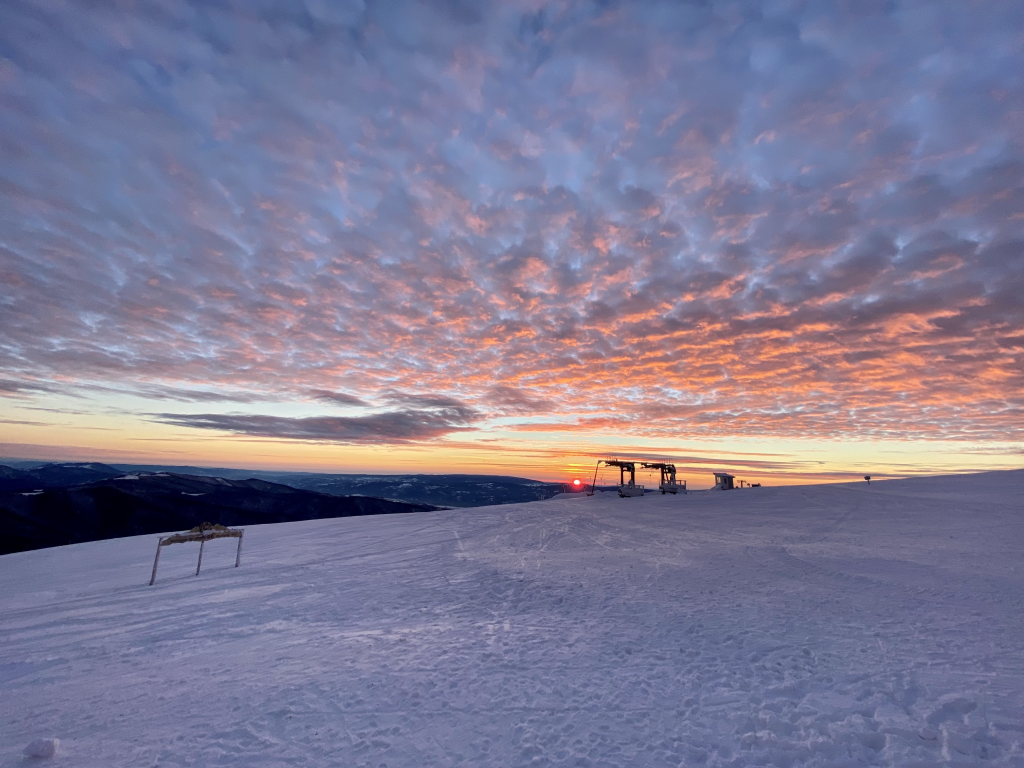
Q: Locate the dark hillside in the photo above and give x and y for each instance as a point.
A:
(450, 490)
(439, 490)
(54, 476)
(135, 504)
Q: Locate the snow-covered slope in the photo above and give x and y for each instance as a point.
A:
(825, 625)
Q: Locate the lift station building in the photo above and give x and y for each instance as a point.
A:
(724, 481)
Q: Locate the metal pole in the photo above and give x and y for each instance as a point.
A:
(200, 563)
(156, 560)
(238, 555)
(593, 485)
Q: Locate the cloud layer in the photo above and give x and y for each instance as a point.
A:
(798, 219)
(393, 427)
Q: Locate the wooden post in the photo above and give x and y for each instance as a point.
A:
(156, 560)
(200, 563)
(238, 555)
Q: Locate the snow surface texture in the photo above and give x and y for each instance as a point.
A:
(42, 748)
(828, 625)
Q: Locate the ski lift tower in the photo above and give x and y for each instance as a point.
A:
(668, 477)
(625, 489)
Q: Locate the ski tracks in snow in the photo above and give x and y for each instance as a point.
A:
(789, 627)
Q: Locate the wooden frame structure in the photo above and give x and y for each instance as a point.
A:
(202, 534)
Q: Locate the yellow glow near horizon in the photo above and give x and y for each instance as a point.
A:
(130, 439)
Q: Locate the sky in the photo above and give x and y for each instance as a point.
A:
(780, 238)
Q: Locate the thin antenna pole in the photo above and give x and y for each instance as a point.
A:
(200, 563)
(156, 560)
(238, 555)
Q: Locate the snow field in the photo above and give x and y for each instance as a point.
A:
(825, 625)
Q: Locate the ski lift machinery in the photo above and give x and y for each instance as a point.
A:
(625, 489)
(668, 477)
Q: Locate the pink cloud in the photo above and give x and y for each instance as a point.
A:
(791, 223)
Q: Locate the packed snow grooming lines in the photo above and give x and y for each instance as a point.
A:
(625, 489)
(202, 534)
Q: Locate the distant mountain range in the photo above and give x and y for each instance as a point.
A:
(54, 476)
(120, 504)
(54, 504)
(439, 490)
